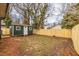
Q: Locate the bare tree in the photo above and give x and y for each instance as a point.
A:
(37, 12)
(34, 11)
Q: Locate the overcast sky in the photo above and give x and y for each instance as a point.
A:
(57, 13)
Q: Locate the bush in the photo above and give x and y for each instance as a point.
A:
(7, 22)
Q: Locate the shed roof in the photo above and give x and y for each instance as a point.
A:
(19, 25)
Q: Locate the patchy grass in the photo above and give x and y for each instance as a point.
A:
(34, 45)
(45, 45)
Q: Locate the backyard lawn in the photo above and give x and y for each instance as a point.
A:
(34, 45)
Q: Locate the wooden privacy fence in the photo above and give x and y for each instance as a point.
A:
(5, 31)
(75, 37)
(66, 33)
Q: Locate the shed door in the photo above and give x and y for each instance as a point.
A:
(25, 30)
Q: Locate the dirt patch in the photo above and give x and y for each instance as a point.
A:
(9, 47)
(36, 45)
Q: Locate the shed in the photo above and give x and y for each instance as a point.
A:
(17, 30)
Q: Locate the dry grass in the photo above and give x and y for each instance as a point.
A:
(45, 45)
(36, 45)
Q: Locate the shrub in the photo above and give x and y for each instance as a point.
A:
(7, 22)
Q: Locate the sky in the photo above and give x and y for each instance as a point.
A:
(15, 15)
(57, 14)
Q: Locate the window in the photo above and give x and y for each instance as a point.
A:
(18, 27)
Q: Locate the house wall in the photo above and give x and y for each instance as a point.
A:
(2, 9)
(66, 33)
